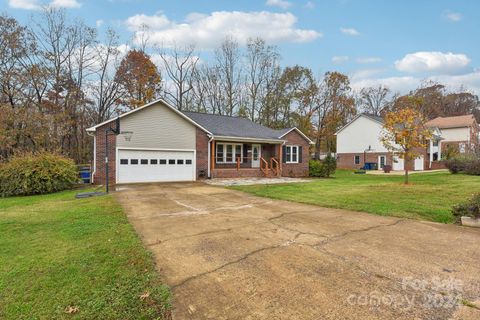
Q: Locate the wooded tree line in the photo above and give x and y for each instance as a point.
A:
(57, 78)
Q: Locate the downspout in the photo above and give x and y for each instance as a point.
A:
(209, 152)
(94, 154)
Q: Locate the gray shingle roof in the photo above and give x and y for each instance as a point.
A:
(233, 126)
(374, 117)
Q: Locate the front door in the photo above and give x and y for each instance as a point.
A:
(256, 154)
(381, 162)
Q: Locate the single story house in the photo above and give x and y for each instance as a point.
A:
(461, 133)
(359, 142)
(159, 143)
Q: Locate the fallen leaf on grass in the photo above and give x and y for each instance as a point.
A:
(71, 309)
(145, 296)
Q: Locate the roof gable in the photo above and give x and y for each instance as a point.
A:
(373, 118)
(156, 102)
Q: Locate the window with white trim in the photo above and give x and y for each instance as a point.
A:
(291, 154)
(228, 152)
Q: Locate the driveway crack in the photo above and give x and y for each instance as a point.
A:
(242, 258)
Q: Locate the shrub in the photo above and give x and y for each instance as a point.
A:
(37, 174)
(466, 164)
(323, 169)
(470, 208)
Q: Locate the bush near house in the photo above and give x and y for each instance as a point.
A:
(40, 173)
(467, 164)
(470, 208)
(324, 168)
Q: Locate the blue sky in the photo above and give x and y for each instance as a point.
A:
(396, 43)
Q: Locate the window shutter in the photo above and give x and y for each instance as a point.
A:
(299, 154)
(284, 154)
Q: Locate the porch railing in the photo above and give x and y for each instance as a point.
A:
(264, 166)
(275, 166)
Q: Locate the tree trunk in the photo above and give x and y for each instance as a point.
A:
(406, 164)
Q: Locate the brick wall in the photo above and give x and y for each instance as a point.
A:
(347, 160)
(99, 177)
(296, 169)
(201, 146)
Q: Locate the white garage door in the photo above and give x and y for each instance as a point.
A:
(155, 166)
(397, 163)
(418, 165)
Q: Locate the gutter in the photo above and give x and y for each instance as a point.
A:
(93, 134)
(209, 157)
(248, 139)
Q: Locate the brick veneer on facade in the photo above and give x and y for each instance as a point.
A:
(202, 152)
(296, 169)
(99, 177)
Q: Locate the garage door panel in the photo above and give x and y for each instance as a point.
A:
(155, 166)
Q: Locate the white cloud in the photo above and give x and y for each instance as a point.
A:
(24, 4)
(65, 4)
(350, 31)
(309, 5)
(339, 59)
(453, 16)
(99, 23)
(433, 61)
(469, 81)
(208, 30)
(368, 59)
(279, 3)
(155, 22)
(37, 5)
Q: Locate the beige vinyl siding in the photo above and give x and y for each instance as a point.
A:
(157, 127)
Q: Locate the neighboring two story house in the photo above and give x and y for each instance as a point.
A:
(460, 133)
(359, 142)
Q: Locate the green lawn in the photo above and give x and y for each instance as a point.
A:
(57, 252)
(430, 196)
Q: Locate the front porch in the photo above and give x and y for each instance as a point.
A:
(240, 159)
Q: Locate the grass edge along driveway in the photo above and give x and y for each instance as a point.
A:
(429, 196)
(69, 258)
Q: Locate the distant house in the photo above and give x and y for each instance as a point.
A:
(359, 143)
(460, 133)
(166, 144)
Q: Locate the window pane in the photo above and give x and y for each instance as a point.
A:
(153, 161)
(255, 153)
(171, 161)
(163, 161)
(180, 161)
(294, 154)
(219, 152)
(188, 161)
(133, 161)
(123, 161)
(144, 161)
(229, 153)
(238, 152)
(289, 153)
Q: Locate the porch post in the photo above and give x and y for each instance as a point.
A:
(280, 162)
(212, 162)
(431, 153)
(439, 150)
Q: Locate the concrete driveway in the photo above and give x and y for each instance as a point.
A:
(229, 255)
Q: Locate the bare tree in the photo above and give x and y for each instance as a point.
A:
(106, 91)
(229, 68)
(374, 99)
(260, 60)
(179, 64)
